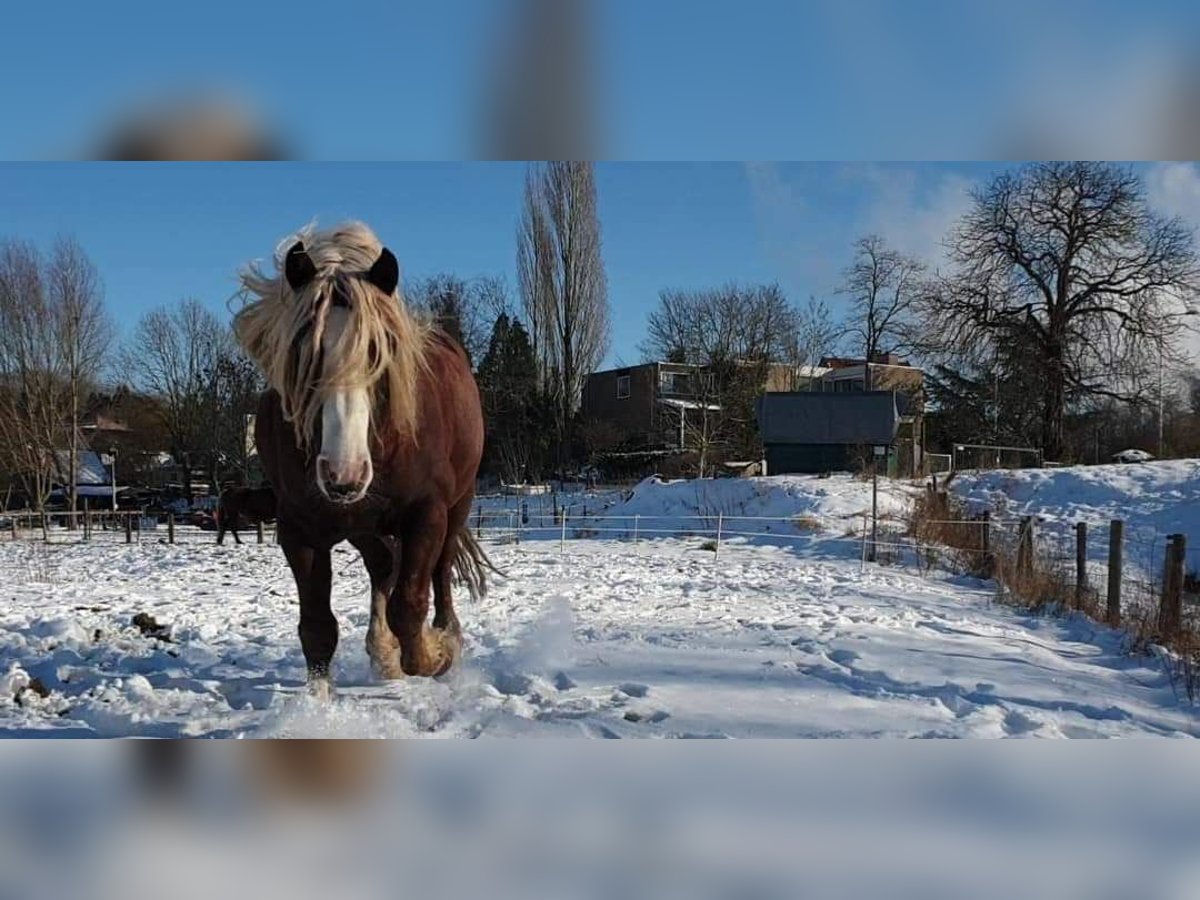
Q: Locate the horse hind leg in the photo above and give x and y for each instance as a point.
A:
(456, 556)
(444, 617)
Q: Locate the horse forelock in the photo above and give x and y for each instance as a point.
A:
(382, 347)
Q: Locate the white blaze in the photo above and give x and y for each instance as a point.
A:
(345, 457)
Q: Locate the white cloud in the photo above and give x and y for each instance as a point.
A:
(915, 214)
(1173, 188)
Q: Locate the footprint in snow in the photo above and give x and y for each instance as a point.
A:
(844, 657)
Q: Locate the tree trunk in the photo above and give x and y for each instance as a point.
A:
(1053, 403)
(73, 465)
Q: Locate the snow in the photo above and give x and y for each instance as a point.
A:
(607, 639)
(687, 404)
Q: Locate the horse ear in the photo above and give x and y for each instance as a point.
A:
(385, 273)
(298, 267)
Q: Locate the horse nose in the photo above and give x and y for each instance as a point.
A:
(343, 478)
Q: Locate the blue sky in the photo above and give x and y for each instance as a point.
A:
(675, 79)
(162, 233)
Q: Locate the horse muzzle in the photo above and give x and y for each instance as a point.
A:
(343, 481)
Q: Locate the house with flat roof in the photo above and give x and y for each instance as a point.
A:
(810, 432)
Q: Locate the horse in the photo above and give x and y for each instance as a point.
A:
(371, 431)
(251, 505)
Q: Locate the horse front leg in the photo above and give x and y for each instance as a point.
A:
(312, 570)
(423, 650)
(380, 555)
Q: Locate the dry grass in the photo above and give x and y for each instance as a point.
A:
(946, 537)
(806, 522)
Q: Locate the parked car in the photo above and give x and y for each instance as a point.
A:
(204, 519)
(1132, 456)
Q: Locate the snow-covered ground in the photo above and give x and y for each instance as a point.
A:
(606, 639)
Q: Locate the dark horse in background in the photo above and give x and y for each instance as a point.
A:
(243, 506)
(371, 433)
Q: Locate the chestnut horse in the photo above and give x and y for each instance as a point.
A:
(244, 505)
(372, 433)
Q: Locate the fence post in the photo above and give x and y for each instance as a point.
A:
(636, 522)
(874, 510)
(170, 527)
(87, 521)
(259, 528)
(862, 562)
(1116, 535)
(13, 524)
(1080, 563)
(129, 528)
(562, 537)
(1025, 546)
(985, 538)
(720, 522)
(1170, 610)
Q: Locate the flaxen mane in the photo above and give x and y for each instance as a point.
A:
(382, 349)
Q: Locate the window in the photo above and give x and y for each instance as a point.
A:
(622, 387)
(673, 383)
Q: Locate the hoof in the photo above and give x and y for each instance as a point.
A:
(449, 647)
(321, 688)
(436, 653)
(387, 668)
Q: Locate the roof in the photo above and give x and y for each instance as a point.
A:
(90, 468)
(686, 404)
(821, 417)
(92, 490)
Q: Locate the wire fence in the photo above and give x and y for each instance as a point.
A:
(118, 527)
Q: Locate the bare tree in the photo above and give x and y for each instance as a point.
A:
(1068, 261)
(814, 336)
(76, 299)
(733, 335)
(465, 309)
(176, 354)
(884, 287)
(562, 283)
(30, 376)
(54, 337)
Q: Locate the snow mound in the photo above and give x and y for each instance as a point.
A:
(1161, 497)
(827, 501)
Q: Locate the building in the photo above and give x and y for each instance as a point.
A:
(658, 408)
(648, 405)
(830, 431)
(884, 372)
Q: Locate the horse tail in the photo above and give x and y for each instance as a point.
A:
(471, 564)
